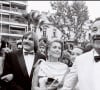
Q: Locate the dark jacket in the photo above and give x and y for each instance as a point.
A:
(15, 64)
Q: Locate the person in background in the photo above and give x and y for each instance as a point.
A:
(21, 62)
(76, 52)
(49, 74)
(88, 47)
(4, 79)
(66, 58)
(19, 44)
(42, 48)
(7, 47)
(86, 68)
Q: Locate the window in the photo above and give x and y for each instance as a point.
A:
(44, 33)
(54, 33)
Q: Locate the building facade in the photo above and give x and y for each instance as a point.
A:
(10, 29)
(50, 32)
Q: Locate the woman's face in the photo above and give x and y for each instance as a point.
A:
(55, 50)
(76, 52)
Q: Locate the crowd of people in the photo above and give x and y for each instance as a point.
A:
(47, 65)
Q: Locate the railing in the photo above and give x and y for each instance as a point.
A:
(21, 11)
(16, 32)
(20, 2)
(4, 1)
(5, 8)
(13, 9)
(5, 19)
(14, 21)
(18, 10)
(5, 30)
(0, 6)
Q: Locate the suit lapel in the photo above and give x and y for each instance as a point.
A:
(35, 59)
(22, 63)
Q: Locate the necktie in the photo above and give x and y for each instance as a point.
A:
(97, 58)
(27, 53)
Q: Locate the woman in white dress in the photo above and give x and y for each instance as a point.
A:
(49, 74)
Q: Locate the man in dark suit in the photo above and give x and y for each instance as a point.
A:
(21, 63)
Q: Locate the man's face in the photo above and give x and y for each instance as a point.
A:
(96, 34)
(28, 43)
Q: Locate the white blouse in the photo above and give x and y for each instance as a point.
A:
(55, 70)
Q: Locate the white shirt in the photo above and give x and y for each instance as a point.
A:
(29, 60)
(96, 74)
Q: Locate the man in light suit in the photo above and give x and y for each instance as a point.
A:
(86, 69)
(21, 63)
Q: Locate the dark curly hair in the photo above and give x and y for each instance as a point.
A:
(3, 45)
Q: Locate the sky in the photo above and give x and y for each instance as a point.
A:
(93, 7)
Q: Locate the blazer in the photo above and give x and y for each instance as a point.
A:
(86, 71)
(15, 64)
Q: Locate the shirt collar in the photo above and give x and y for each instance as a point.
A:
(95, 53)
(27, 51)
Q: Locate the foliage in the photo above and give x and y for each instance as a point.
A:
(31, 18)
(59, 18)
(81, 12)
(71, 17)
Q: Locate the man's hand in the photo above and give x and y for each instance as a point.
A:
(7, 77)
